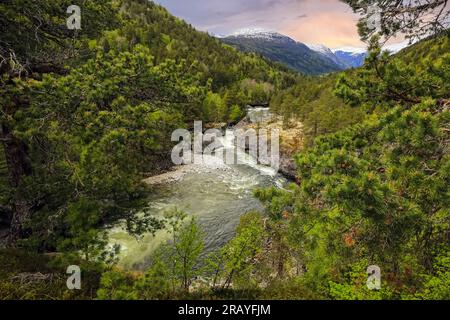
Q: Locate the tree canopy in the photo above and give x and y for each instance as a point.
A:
(411, 18)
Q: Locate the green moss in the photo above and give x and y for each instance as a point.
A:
(32, 276)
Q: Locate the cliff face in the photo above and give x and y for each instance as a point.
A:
(291, 141)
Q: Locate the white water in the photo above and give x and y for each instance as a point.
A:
(217, 193)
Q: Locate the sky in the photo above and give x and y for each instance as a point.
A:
(328, 22)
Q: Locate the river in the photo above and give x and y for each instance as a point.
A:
(217, 194)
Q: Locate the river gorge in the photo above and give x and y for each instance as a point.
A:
(216, 193)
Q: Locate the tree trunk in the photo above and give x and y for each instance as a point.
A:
(21, 214)
(19, 166)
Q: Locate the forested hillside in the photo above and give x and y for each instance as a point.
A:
(314, 102)
(87, 114)
(376, 193)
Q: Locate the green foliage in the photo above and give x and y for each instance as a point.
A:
(30, 276)
(4, 189)
(242, 249)
(178, 266)
(312, 102)
(384, 82)
(83, 235)
(354, 286)
(257, 93)
(236, 113)
(33, 34)
(79, 135)
(98, 146)
(174, 266)
(188, 244)
(376, 192)
(91, 123)
(116, 286)
(214, 107)
(412, 19)
(293, 288)
(436, 286)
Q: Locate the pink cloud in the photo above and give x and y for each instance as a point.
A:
(330, 22)
(333, 29)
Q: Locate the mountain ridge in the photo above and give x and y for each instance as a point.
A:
(283, 49)
(307, 58)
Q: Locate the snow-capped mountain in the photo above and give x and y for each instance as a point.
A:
(396, 47)
(262, 35)
(305, 58)
(353, 57)
(326, 52)
(355, 50)
(346, 58)
(250, 32)
(283, 49)
(257, 33)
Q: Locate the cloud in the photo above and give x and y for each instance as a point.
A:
(330, 22)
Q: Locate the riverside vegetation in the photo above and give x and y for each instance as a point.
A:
(87, 114)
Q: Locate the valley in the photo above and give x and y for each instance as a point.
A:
(218, 194)
(98, 129)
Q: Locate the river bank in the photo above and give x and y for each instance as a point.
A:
(291, 143)
(291, 138)
(215, 192)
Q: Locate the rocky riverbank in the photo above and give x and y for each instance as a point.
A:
(291, 140)
(291, 143)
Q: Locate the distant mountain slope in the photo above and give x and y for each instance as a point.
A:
(354, 57)
(283, 49)
(346, 58)
(329, 54)
(351, 59)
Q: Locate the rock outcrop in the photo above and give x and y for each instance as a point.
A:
(291, 141)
